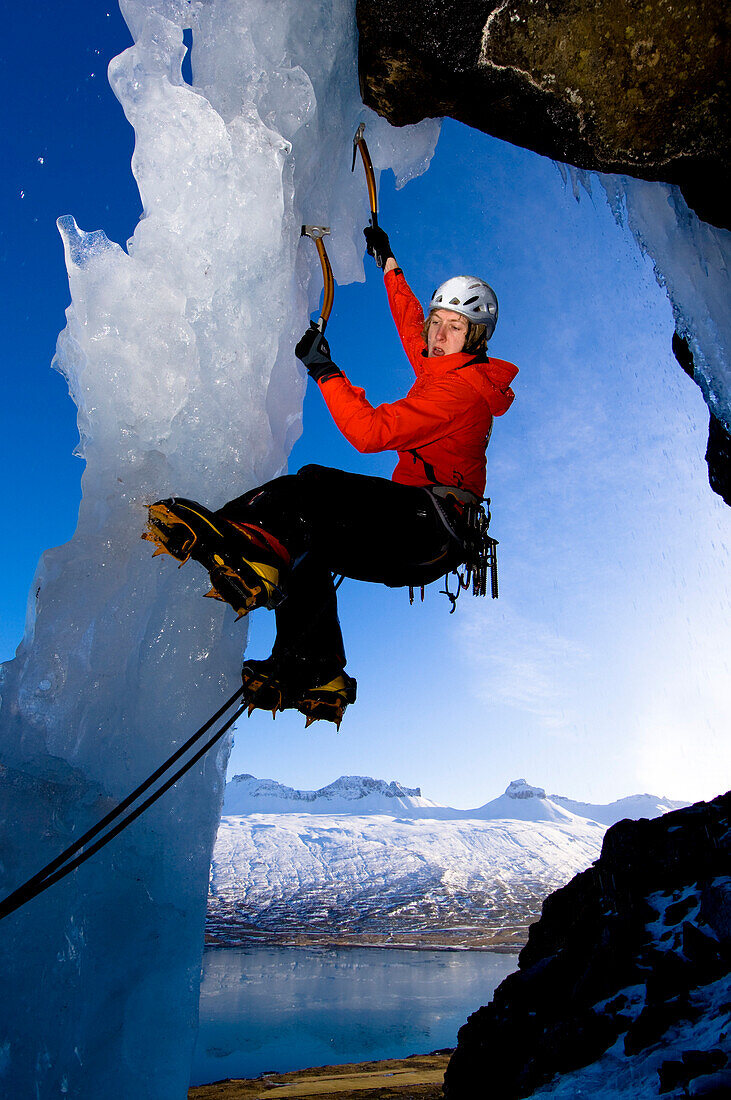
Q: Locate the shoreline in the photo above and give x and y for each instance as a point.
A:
(421, 1074)
(501, 943)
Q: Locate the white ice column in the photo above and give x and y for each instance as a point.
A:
(178, 354)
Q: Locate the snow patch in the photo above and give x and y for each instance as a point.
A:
(615, 1076)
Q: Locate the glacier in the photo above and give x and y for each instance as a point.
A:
(178, 354)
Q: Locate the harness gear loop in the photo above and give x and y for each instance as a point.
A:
(462, 582)
(316, 233)
(468, 525)
(359, 145)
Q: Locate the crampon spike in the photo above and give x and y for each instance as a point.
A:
(251, 709)
(160, 550)
(309, 720)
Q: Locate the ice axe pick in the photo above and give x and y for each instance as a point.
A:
(316, 233)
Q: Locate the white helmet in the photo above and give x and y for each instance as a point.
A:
(470, 296)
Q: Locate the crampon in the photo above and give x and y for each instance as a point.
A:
(245, 564)
(271, 685)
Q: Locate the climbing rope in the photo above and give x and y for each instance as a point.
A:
(63, 864)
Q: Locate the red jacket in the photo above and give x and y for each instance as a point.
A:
(441, 428)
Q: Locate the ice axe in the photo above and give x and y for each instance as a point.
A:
(316, 233)
(359, 145)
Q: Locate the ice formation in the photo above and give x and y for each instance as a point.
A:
(178, 353)
(692, 261)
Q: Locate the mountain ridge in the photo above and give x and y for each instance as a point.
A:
(356, 794)
(349, 793)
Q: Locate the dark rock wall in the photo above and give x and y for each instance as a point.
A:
(639, 87)
(621, 950)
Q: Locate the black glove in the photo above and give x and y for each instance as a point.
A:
(314, 351)
(377, 244)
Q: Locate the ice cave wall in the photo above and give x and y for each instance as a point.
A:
(178, 354)
(638, 89)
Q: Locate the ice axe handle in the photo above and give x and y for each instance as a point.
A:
(316, 233)
(359, 145)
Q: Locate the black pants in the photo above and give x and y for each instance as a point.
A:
(333, 522)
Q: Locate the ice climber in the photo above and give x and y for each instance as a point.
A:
(279, 545)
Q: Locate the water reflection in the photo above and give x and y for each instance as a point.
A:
(279, 1008)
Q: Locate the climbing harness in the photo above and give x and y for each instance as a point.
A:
(359, 146)
(316, 233)
(480, 554)
(64, 864)
(469, 529)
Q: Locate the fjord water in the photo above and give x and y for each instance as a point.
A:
(283, 1008)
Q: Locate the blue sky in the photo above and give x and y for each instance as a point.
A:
(602, 670)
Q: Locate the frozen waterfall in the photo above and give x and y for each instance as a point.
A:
(692, 261)
(178, 354)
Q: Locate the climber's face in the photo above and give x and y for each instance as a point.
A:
(446, 332)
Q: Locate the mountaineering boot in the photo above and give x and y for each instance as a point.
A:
(327, 700)
(247, 565)
(263, 686)
(312, 688)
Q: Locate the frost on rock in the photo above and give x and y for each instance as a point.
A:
(178, 354)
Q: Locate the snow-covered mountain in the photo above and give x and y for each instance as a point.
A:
(522, 802)
(245, 794)
(397, 879)
(634, 807)
(367, 861)
(359, 794)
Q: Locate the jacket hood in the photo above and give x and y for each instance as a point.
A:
(490, 377)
